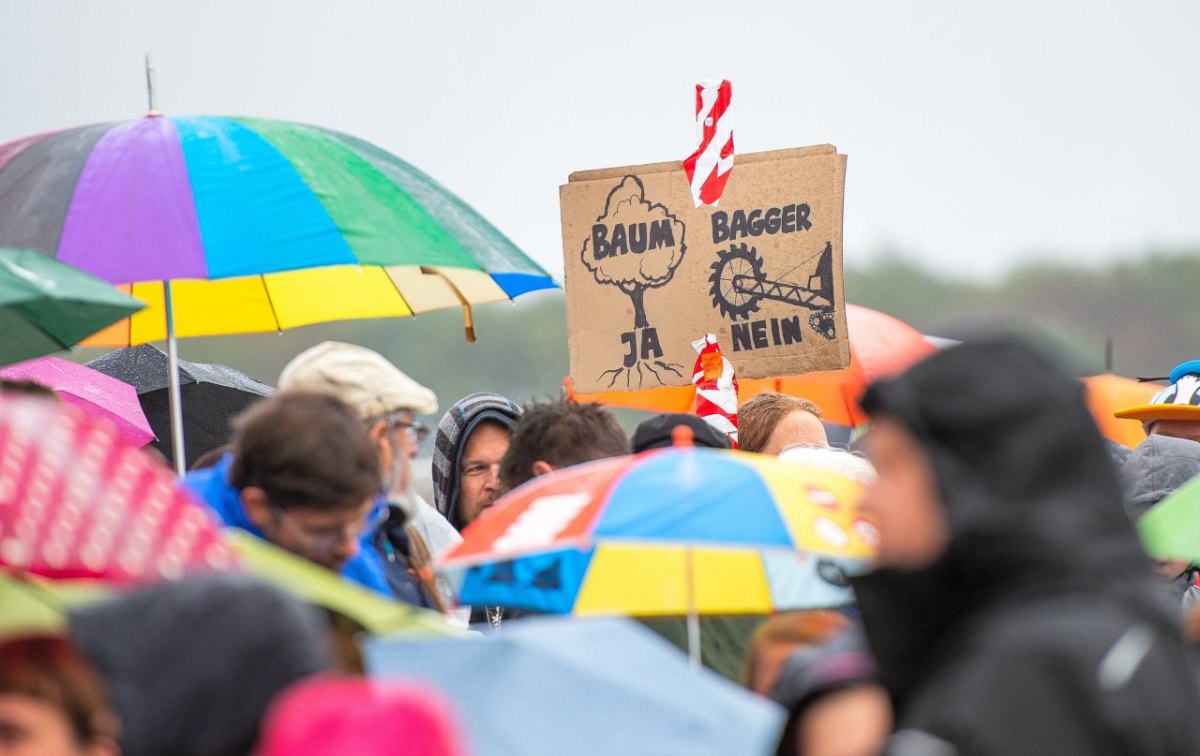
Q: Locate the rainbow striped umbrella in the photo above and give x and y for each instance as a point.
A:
(237, 225)
(679, 531)
(260, 202)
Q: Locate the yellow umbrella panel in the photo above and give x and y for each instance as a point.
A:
(279, 301)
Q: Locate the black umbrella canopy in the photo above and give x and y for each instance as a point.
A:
(212, 395)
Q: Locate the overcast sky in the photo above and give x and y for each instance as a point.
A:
(979, 133)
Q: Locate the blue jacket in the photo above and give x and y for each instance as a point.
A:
(212, 485)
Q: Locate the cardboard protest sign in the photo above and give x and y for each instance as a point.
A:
(647, 273)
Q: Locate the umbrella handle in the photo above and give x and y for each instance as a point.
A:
(693, 618)
(174, 400)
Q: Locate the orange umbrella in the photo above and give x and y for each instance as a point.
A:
(880, 345)
(1107, 393)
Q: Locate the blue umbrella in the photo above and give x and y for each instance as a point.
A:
(600, 686)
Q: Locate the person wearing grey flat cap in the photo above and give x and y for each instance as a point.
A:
(386, 400)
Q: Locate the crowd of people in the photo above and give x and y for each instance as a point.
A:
(1011, 607)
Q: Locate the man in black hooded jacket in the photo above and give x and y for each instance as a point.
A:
(1013, 611)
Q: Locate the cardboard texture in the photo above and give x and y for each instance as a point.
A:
(647, 273)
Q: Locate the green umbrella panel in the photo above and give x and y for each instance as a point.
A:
(320, 587)
(1170, 530)
(47, 306)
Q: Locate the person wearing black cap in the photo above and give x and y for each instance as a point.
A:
(655, 433)
(723, 640)
(1013, 609)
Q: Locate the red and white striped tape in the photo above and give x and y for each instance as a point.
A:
(716, 387)
(709, 166)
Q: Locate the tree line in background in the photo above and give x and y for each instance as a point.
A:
(1149, 307)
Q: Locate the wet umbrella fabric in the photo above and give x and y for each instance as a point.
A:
(92, 391)
(669, 532)
(261, 225)
(598, 686)
(76, 502)
(213, 395)
(242, 225)
(47, 306)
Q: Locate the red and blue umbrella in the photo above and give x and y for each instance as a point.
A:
(668, 532)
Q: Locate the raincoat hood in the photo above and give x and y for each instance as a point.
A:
(192, 666)
(211, 485)
(1033, 502)
(1157, 467)
(457, 425)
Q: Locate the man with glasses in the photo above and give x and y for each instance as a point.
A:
(385, 400)
(303, 475)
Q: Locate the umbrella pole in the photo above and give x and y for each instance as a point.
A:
(176, 404)
(693, 619)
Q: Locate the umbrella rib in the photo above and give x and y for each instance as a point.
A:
(579, 543)
(399, 293)
(271, 304)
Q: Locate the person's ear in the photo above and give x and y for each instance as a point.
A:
(540, 468)
(257, 506)
(378, 431)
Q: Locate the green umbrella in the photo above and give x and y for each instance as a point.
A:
(318, 586)
(30, 604)
(47, 306)
(1171, 528)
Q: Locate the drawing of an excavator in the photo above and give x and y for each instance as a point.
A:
(739, 284)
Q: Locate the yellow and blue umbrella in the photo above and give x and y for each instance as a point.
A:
(671, 532)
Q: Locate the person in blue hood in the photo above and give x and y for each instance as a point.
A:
(304, 475)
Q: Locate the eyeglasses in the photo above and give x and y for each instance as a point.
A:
(325, 541)
(416, 430)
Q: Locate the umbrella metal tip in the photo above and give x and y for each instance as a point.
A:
(682, 436)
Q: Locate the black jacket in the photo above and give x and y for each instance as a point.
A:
(1040, 629)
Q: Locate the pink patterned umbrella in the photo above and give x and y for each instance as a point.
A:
(76, 502)
(94, 392)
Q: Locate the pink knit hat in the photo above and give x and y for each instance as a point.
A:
(337, 716)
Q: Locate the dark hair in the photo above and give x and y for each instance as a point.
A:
(561, 434)
(305, 450)
(52, 671)
(758, 417)
(27, 388)
(210, 458)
